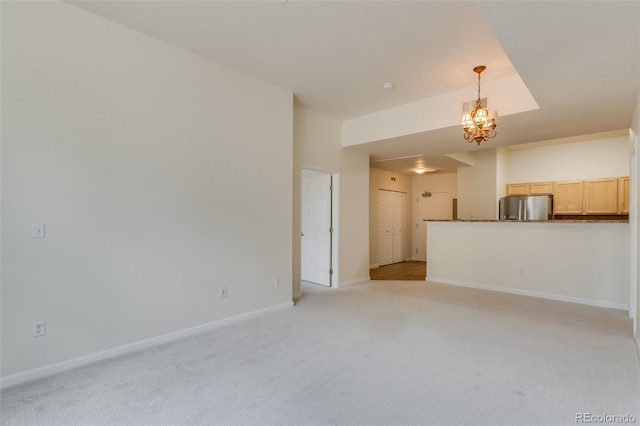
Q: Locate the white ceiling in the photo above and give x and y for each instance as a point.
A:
(580, 60)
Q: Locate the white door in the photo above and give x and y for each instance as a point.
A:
(316, 227)
(392, 227)
(399, 226)
(435, 207)
(385, 226)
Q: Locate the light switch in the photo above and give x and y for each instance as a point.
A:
(37, 230)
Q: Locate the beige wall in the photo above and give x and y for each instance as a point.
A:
(635, 127)
(477, 192)
(160, 176)
(549, 261)
(318, 145)
(382, 179)
(595, 158)
(431, 182)
(501, 172)
(436, 182)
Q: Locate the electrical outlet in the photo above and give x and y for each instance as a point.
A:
(223, 291)
(277, 282)
(39, 328)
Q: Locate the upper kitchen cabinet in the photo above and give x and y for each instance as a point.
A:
(623, 195)
(534, 188)
(541, 188)
(601, 196)
(518, 189)
(567, 197)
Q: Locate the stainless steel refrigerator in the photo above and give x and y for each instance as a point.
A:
(526, 207)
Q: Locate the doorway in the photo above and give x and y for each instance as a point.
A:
(317, 230)
(430, 206)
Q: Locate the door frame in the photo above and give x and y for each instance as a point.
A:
(335, 224)
(633, 227)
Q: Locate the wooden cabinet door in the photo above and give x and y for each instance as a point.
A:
(601, 196)
(541, 188)
(567, 197)
(518, 189)
(623, 195)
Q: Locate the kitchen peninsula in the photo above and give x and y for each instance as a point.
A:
(581, 261)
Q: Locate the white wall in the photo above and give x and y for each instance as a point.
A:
(579, 262)
(160, 175)
(477, 193)
(318, 144)
(382, 179)
(591, 159)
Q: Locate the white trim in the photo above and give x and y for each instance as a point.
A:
(374, 266)
(541, 295)
(635, 338)
(297, 295)
(335, 222)
(59, 367)
(633, 224)
(354, 282)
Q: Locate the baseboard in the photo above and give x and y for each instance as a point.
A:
(297, 295)
(375, 265)
(353, 282)
(541, 295)
(59, 367)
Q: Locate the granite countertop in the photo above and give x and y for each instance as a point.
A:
(532, 221)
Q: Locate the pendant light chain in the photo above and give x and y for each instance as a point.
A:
(478, 101)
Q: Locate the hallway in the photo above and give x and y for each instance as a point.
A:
(403, 271)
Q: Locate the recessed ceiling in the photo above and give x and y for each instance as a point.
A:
(333, 55)
(579, 60)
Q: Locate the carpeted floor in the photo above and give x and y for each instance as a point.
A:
(379, 353)
(404, 271)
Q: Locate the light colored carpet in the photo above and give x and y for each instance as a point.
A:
(380, 353)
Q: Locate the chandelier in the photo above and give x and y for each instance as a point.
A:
(480, 124)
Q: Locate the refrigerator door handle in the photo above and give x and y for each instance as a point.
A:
(519, 209)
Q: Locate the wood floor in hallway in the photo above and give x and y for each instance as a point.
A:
(405, 271)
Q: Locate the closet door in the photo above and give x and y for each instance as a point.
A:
(385, 232)
(399, 226)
